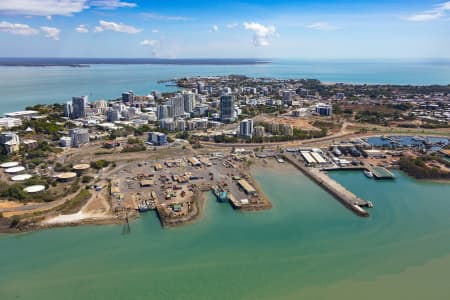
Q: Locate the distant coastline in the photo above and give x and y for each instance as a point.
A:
(86, 62)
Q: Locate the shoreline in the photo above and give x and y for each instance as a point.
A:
(258, 165)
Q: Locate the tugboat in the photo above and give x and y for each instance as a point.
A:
(368, 174)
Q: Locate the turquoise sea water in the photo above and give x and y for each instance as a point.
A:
(23, 86)
(307, 247)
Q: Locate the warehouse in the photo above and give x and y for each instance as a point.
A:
(250, 190)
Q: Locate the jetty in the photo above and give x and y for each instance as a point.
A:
(378, 172)
(344, 196)
(381, 173)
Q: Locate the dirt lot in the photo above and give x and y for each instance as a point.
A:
(299, 123)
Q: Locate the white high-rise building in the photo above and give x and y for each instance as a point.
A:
(68, 109)
(177, 103)
(165, 111)
(189, 102)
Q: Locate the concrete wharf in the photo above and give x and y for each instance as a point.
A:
(344, 196)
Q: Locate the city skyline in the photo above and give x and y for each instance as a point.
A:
(229, 29)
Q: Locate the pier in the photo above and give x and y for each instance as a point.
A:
(381, 173)
(378, 172)
(347, 198)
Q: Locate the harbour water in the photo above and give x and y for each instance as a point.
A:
(307, 247)
(24, 86)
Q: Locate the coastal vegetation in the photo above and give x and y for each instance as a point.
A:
(423, 167)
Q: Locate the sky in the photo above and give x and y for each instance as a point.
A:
(308, 29)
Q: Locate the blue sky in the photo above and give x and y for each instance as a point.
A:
(271, 29)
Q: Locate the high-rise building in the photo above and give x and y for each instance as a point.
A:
(177, 103)
(128, 97)
(259, 131)
(167, 124)
(287, 129)
(274, 128)
(288, 95)
(226, 108)
(113, 115)
(68, 109)
(164, 112)
(79, 107)
(181, 125)
(189, 102)
(200, 86)
(101, 105)
(246, 128)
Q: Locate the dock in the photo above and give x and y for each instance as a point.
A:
(381, 173)
(344, 196)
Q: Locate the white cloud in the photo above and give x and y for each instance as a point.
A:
(51, 32)
(112, 4)
(118, 27)
(42, 8)
(154, 16)
(214, 28)
(436, 13)
(322, 26)
(261, 33)
(18, 29)
(149, 43)
(49, 8)
(424, 17)
(232, 25)
(155, 30)
(82, 29)
(154, 46)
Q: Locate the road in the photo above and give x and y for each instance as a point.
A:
(342, 133)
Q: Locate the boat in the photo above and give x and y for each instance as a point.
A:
(368, 174)
(279, 159)
(221, 195)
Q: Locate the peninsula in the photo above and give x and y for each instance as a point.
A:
(108, 161)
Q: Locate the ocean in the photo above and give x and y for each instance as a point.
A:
(23, 86)
(307, 247)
